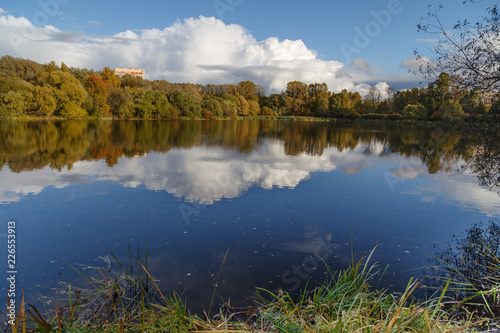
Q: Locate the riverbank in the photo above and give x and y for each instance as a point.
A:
(346, 302)
(366, 118)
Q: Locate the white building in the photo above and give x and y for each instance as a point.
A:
(135, 72)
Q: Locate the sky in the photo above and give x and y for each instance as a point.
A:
(347, 44)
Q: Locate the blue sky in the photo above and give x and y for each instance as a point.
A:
(324, 38)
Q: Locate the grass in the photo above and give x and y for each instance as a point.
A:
(471, 264)
(346, 302)
(130, 301)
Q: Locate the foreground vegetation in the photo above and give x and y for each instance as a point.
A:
(344, 303)
(28, 88)
(466, 300)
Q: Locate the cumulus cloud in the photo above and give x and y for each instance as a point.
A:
(197, 50)
(380, 91)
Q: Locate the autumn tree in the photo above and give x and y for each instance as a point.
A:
(246, 89)
(98, 91)
(109, 77)
(297, 90)
(243, 106)
(254, 108)
(318, 90)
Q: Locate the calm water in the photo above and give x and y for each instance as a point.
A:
(277, 194)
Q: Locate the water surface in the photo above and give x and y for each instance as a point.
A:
(279, 195)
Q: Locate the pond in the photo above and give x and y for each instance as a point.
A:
(257, 203)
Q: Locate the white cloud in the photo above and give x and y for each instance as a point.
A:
(413, 63)
(197, 50)
(229, 174)
(381, 90)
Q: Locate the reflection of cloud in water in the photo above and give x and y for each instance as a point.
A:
(14, 185)
(205, 175)
(352, 169)
(463, 189)
(409, 172)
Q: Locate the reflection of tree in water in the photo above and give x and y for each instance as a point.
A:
(28, 145)
(483, 144)
(471, 260)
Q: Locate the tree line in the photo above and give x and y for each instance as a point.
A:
(28, 88)
(30, 145)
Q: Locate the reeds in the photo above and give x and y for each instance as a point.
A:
(346, 302)
(470, 264)
(129, 301)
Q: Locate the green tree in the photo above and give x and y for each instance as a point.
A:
(214, 106)
(13, 104)
(44, 103)
(229, 105)
(68, 91)
(121, 102)
(320, 107)
(13, 83)
(187, 104)
(318, 90)
(414, 111)
(134, 82)
(343, 102)
(144, 103)
(450, 110)
(268, 112)
(22, 68)
(274, 102)
(162, 107)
